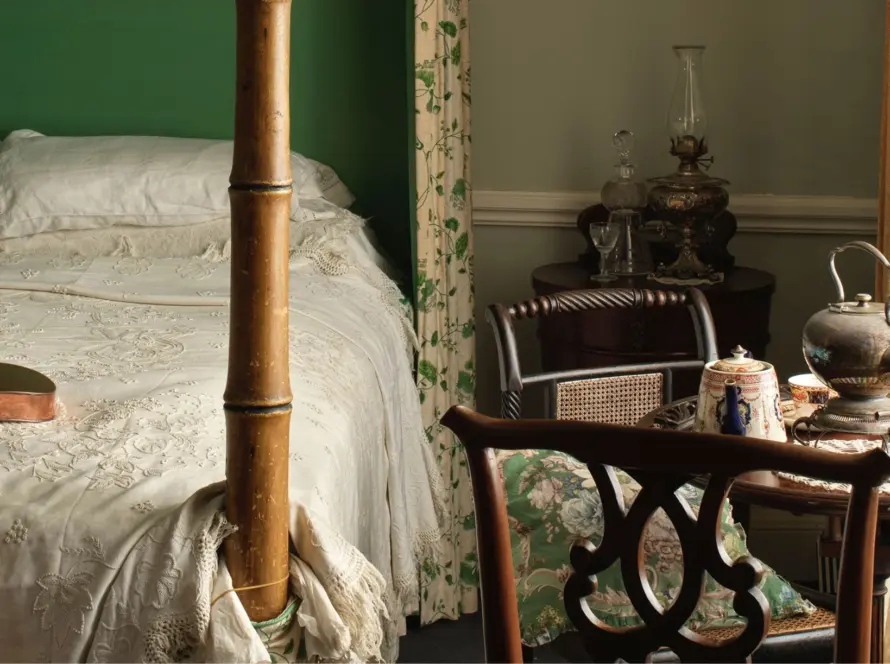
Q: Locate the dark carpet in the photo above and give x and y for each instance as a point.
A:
(455, 641)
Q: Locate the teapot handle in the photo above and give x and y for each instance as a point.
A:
(857, 244)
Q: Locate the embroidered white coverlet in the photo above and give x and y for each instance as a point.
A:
(110, 515)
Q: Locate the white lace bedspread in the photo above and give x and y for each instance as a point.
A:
(103, 555)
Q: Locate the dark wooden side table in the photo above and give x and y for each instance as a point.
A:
(740, 307)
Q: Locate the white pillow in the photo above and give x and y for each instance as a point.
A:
(50, 184)
(313, 181)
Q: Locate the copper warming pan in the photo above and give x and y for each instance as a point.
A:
(25, 395)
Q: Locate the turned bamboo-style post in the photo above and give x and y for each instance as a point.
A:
(258, 395)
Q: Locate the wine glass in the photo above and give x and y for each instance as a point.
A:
(605, 237)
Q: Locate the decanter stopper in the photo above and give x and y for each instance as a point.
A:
(623, 141)
(624, 191)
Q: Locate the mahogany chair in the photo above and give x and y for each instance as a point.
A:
(616, 394)
(661, 461)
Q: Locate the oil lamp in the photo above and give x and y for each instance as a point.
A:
(688, 200)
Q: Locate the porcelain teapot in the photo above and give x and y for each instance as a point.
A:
(740, 395)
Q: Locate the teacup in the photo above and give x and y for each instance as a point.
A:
(808, 392)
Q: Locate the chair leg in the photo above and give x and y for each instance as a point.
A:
(528, 654)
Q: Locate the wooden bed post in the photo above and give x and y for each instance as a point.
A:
(258, 394)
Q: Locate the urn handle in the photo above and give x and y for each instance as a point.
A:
(857, 244)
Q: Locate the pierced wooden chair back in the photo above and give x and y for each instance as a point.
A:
(661, 461)
(615, 394)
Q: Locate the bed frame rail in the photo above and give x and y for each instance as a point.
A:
(258, 393)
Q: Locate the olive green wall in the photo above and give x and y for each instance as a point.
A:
(166, 67)
(792, 90)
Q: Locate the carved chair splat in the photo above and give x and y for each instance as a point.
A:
(662, 461)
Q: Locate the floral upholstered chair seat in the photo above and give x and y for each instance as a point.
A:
(552, 502)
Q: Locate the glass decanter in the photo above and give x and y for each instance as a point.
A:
(624, 196)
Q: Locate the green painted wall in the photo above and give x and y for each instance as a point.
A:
(166, 67)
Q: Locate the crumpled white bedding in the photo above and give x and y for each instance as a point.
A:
(110, 515)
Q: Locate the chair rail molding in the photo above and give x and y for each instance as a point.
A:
(756, 213)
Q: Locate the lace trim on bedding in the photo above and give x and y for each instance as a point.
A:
(356, 616)
(216, 254)
(124, 248)
(437, 485)
(324, 243)
(171, 638)
(406, 587)
(212, 252)
(357, 594)
(427, 543)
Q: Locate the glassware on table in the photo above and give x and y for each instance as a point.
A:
(605, 237)
(624, 191)
(633, 255)
(625, 197)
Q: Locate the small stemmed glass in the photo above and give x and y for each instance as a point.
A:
(605, 237)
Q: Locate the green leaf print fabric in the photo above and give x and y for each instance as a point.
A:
(552, 502)
(445, 326)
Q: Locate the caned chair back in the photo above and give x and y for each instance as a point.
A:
(614, 394)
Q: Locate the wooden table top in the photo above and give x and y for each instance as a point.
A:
(765, 488)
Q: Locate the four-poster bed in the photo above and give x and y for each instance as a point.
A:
(116, 510)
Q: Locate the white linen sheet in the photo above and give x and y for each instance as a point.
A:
(110, 515)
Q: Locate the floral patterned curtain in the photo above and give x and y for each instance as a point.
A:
(445, 325)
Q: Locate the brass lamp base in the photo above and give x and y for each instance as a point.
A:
(685, 201)
(688, 266)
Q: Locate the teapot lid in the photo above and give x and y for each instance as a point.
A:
(740, 362)
(862, 305)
